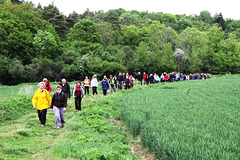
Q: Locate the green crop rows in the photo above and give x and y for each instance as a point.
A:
(187, 120)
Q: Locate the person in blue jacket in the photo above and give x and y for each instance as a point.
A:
(105, 86)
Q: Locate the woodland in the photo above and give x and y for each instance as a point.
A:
(38, 42)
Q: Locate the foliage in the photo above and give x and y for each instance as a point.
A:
(144, 41)
(45, 45)
(85, 30)
(14, 107)
(187, 120)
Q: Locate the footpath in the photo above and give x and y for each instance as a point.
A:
(94, 133)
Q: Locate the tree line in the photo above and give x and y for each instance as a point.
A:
(37, 42)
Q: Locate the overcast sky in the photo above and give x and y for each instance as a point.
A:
(228, 8)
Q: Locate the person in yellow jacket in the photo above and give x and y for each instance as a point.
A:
(86, 85)
(41, 100)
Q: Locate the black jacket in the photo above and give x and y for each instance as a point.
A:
(127, 82)
(140, 77)
(66, 89)
(59, 100)
(120, 78)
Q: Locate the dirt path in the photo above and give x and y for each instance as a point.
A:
(135, 143)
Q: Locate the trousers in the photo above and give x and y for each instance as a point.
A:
(42, 116)
(59, 116)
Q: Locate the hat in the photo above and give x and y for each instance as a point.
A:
(58, 86)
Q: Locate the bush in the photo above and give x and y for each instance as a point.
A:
(14, 107)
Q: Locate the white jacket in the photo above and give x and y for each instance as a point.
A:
(94, 82)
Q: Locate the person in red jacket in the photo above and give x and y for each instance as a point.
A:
(145, 78)
(47, 84)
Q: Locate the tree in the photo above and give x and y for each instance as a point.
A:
(19, 10)
(142, 57)
(205, 16)
(50, 12)
(181, 58)
(17, 72)
(60, 24)
(105, 30)
(131, 36)
(72, 19)
(221, 22)
(15, 38)
(183, 23)
(195, 44)
(85, 30)
(45, 45)
(112, 17)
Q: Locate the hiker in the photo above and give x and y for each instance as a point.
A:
(151, 79)
(86, 85)
(162, 77)
(157, 78)
(105, 86)
(40, 101)
(115, 80)
(94, 84)
(112, 84)
(58, 106)
(47, 84)
(127, 83)
(65, 88)
(140, 78)
(145, 78)
(120, 80)
(131, 81)
(78, 95)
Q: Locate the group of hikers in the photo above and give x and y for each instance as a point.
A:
(58, 103)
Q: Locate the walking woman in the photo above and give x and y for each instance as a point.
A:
(78, 94)
(41, 100)
(59, 104)
(86, 85)
(105, 86)
(94, 84)
(47, 85)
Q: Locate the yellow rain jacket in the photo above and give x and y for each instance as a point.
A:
(42, 99)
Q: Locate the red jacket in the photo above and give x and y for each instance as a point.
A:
(145, 77)
(48, 87)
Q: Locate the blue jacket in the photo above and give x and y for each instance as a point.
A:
(105, 85)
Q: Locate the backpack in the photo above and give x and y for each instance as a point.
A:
(55, 94)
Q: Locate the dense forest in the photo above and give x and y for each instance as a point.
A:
(37, 42)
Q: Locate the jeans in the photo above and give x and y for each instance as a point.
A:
(59, 116)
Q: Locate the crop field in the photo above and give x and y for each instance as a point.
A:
(197, 119)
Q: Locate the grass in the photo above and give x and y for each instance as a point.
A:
(87, 135)
(165, 116)
(187, 120)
